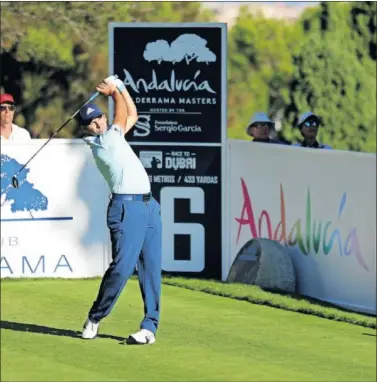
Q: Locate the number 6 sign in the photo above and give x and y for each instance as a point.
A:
(196, 231)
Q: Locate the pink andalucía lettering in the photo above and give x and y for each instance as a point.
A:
(309, 238)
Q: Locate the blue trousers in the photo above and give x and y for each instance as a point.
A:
(136, 238)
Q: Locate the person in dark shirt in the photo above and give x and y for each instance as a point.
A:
(308, 125)
(260, 127)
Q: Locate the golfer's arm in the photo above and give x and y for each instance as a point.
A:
(120, 115)
(131, 110)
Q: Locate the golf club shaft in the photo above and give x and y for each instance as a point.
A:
(93, 96)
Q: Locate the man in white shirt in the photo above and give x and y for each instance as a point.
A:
(133, 215)
(9, 130)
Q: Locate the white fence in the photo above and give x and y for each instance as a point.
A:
(320, 203)
(54, 225)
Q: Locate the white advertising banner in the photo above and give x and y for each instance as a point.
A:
(321, 204)
(54, 224)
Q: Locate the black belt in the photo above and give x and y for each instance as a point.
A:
(134, 197)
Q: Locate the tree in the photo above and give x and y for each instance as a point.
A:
(24, 198)
(206, 55)
(335, 75)
(53, 54)
(190, 45)
(157, 51)
(260, 68)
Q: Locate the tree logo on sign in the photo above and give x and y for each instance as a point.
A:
(188, 47)
(27, 197)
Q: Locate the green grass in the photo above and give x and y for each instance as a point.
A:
(256, 295)
(202, 337)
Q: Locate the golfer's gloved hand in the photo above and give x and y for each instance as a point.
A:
(119, 84)
(116, 81)
(110, 79)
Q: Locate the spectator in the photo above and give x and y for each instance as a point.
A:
(260, 127)
(9, 130)
(308, 124)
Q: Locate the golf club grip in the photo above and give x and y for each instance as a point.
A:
(91, 98)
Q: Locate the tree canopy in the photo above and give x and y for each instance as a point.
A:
(335, 75)
(260, 68)
(325, 62)
(53, 52)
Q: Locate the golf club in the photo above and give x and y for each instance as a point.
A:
(92, 97)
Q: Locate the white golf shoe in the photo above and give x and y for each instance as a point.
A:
(90, 330)
(142, 337)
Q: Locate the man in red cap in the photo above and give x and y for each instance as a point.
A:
(9, 130)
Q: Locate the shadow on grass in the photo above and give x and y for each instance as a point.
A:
(171, 280)
(369, 334)
(32, 328)
(289, 301)
(320, 303)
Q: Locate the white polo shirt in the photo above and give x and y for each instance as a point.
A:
(18, 134)
(117, 162)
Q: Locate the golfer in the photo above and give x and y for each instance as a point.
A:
(133, 215)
